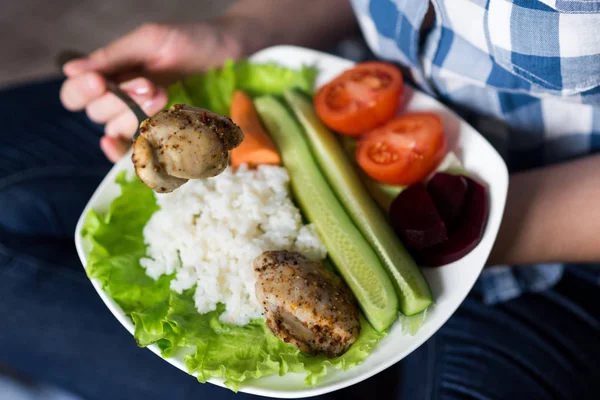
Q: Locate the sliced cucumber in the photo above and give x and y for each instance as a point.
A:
(382, 193)
(350, 252)
(412, 288)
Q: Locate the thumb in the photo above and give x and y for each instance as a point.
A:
(131, 50)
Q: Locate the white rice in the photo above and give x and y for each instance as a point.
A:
(208, 232)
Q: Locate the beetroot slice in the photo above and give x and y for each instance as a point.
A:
(448, 193)
(415, 218)
(470, 225)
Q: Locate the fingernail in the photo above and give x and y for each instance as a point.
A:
(92, 83)
(156, 103)
(137, 86)
(111, 134)
(148, 103)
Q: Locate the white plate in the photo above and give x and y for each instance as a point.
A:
(450, 284)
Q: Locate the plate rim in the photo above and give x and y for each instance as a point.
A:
(314, 390)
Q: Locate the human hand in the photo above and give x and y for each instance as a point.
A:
(143, 62)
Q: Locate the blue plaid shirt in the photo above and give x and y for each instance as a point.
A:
(524, 73)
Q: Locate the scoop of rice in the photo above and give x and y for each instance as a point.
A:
(209, 231)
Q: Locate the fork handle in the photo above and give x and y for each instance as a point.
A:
(68, 55)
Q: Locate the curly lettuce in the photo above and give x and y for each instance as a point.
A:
(169, 319)
(213, 89)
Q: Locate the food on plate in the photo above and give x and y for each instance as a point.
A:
(413, 291)
(361, 98)
(232, 273)
(416, 219)
(166, 315)
(411, 324)
(214, 88)
(257, 148)
(382, 193)
(148, 168)
(180, 264)
(353, 256)
(403, 151)
(443, 221)
(385, 194)
(305, 304)
(467, 233)
(183, 143)
(448, 193)
(209, 232)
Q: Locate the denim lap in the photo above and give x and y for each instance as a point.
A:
(57, 330)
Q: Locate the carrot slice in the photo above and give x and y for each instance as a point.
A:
(257, 147)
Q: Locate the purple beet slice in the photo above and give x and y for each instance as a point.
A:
(415, 218)
(470, 225)
(448, 193)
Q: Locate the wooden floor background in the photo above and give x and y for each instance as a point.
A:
(32, 32)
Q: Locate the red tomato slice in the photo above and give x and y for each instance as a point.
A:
(361, 98)
(404, 151)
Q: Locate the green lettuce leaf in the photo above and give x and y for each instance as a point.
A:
(213, 89)
(273, 79)
(118, 244)
(170, 319)
(178, 94)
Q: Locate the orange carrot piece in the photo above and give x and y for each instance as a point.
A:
(257, 147)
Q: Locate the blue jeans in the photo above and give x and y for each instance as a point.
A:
(55, 329)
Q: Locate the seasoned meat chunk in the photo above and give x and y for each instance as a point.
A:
(183, 143)
(306, 304)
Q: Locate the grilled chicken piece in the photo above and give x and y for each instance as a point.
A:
(305, 304)
(183, 143)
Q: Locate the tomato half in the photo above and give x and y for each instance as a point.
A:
(361, 98)
(404, 151)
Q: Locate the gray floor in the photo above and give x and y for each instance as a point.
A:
(32, 32)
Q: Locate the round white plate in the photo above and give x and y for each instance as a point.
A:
(450, 284)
